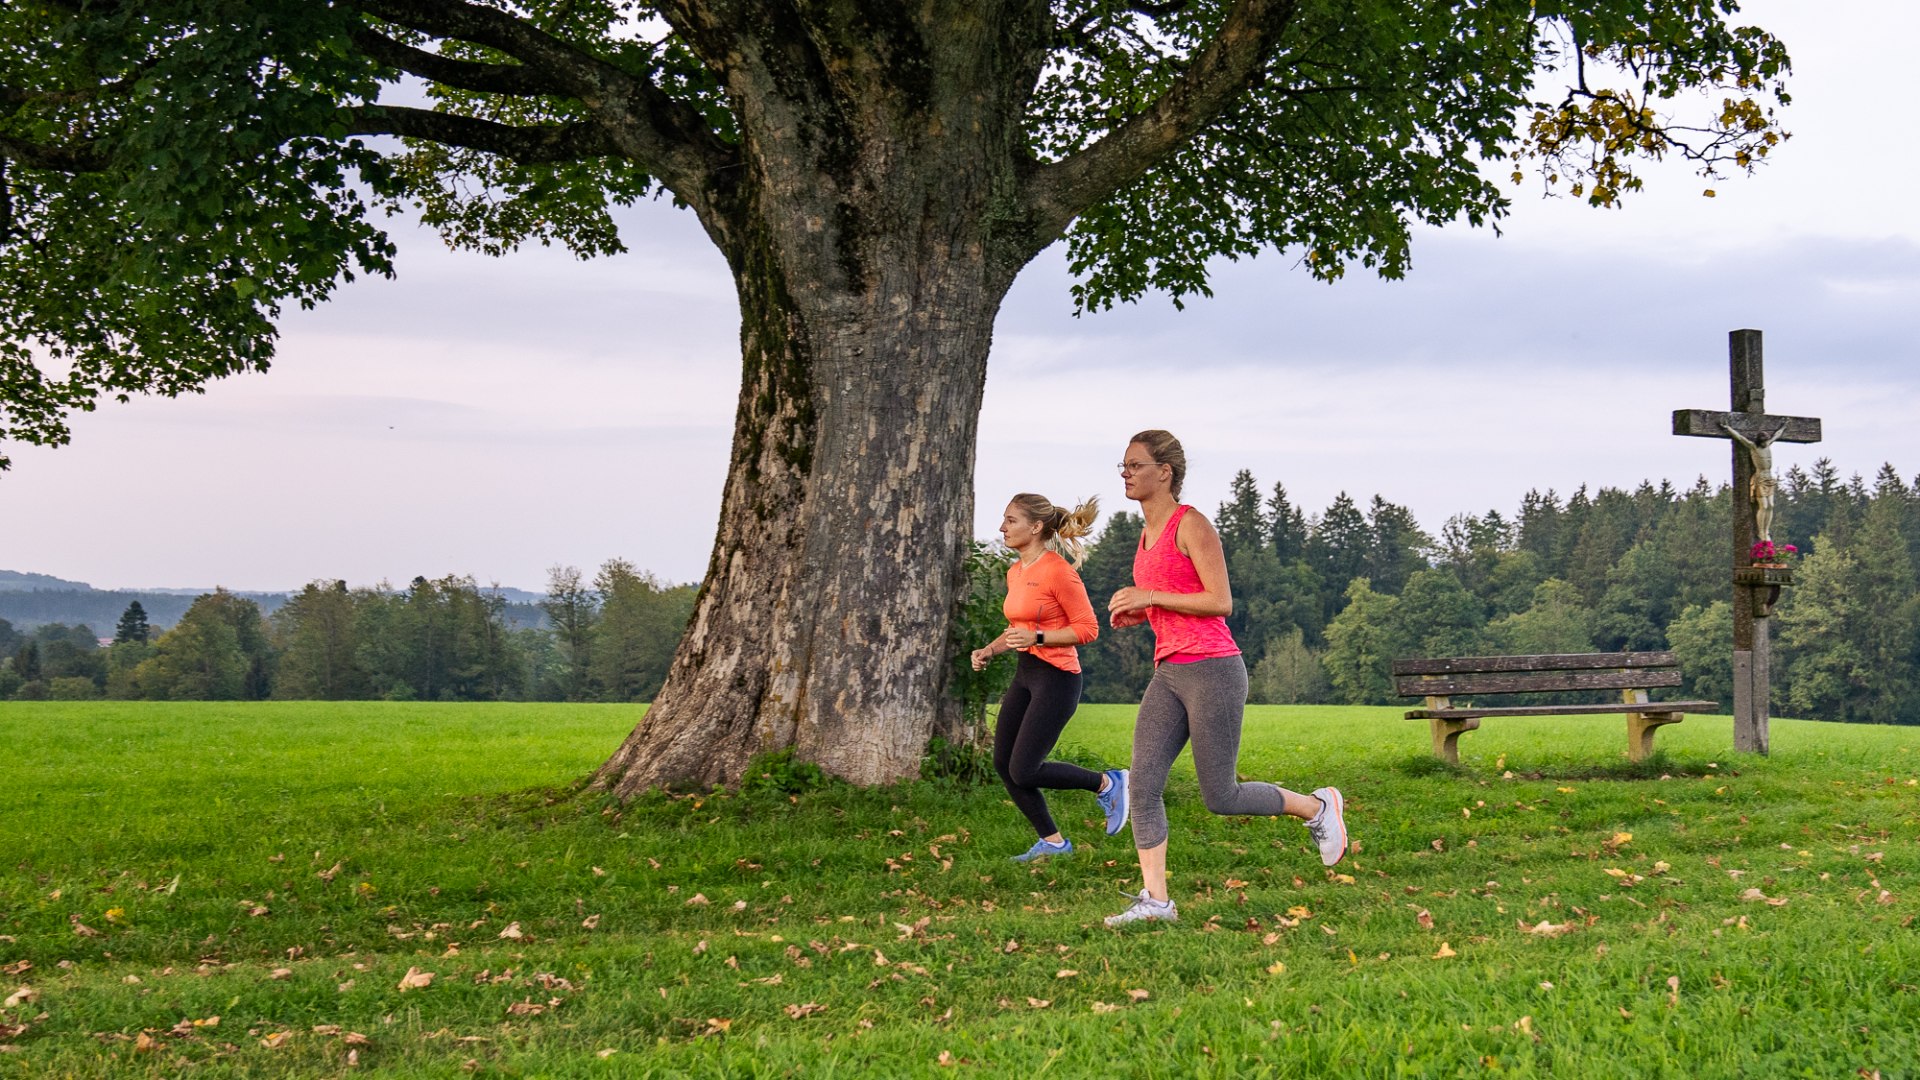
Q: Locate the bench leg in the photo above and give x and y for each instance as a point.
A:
(1641, 728)
(1446, 736)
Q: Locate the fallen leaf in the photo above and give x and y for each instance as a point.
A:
(329, 873)
(1276, 968)
(525, 1008)
(604, 1054)
(277, 1040)
(82, 928)
(1065, 973)
(698, 900)
(281, 973)
(1038, 1003)
(1425, 919)
(1545, 928)
(21, 997)
(1138, 995)
(799, 1011)
(1104, 1007)
(1673, 991)
(415, 979)
(512, 932)
(591, 922)
(597, 872)
(1445, 952)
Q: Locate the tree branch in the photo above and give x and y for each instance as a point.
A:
(667, 138)
(517, 79)
(526, 145)
(78, 158)
(1234, 60)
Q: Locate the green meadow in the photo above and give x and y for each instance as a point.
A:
(319, 889)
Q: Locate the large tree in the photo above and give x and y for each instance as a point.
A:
(875, 174)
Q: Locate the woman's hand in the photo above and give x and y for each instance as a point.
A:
(1017, 638)
(1130, 600)
(1131, 618)
(981, 657)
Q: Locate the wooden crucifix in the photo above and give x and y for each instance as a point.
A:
(1755, 588)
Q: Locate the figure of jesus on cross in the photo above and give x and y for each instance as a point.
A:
(1754, 588)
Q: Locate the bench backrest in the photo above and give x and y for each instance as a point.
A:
(1532, 674)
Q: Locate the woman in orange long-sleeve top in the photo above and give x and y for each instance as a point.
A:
(1048, 613)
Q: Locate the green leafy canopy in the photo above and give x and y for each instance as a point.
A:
(174, 173)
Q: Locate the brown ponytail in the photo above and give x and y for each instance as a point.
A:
(1060, 527)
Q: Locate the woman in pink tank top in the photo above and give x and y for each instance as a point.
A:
(1199, 688)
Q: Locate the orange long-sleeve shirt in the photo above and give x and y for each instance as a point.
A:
(1049, 596)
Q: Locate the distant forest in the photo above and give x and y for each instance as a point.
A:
(444, 639)
(1323, 602)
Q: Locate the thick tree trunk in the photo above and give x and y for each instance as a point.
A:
(861, 235)
(824, 621)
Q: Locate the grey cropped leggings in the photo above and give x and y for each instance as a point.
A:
(1202, 701)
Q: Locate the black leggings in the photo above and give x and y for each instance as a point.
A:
(1032, 715)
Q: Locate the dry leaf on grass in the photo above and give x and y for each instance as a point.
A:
(1065, 973)
(512, 932)
(1425, 919)
(698, 900)
(1038, 1003)
(1545, 928)
(277, 1040)
(281, 973)
(1752, 895)
(415, 979)
(799, 1011)
(1276, 968)
(21, 997)
(1138, 995)
(1446, 951)
(1104, 1007)
(591, 922)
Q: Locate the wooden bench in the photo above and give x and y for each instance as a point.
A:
(1631, 673)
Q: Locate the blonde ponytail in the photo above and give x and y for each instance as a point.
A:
(1062, 529)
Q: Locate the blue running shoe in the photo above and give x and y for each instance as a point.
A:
(1041, 849)
(1114, 800)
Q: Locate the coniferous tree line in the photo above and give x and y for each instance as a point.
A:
(444, 639)
(1323, 603)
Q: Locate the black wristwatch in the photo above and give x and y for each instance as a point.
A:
(1039, 638)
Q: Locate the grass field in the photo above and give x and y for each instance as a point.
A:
(1545, 909)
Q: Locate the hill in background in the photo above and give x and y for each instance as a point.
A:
(28, 600)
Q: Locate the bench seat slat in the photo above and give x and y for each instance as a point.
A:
(1417, 686)
(1566, 710)
(1457, 665)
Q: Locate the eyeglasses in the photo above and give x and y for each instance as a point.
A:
(1126, 467)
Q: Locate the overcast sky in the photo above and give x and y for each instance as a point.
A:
(495, 417)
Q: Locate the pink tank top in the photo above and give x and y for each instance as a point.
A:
(1177, 638)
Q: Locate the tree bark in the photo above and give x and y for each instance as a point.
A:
(868, 283)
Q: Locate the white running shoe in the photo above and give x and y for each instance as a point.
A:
(1329, 826)
(1146, 909)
